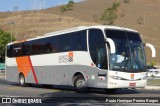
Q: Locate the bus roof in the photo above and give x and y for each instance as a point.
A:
(56, 33)
(88, 27)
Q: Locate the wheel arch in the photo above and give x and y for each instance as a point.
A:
(76, 74)
(21, 74)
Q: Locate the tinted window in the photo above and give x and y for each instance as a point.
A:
(129, 55)
(55, 44)
(78, 41)
(67, 42)
(41, 46)
(10, 51)
(133, 36)
(96, 41)
(17, 50)
(26, 48)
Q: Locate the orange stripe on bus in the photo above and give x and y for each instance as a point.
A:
(24, 65)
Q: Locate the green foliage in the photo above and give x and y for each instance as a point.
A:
(63, 9)
(67, 7)
(71, 2)
(152, 76)
(153, 63)
(5, 38)
(115, 6)
(110, 14)
(153, 82)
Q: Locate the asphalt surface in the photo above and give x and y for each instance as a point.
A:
(8, 89)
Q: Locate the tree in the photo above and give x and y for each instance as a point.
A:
(67, 7)
(71, 2)
(5, 38)
(110, 14)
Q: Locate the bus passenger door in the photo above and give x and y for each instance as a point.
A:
(101, 58)
(97, 50)
(102, 64)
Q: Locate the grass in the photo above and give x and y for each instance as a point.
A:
(153, 82)
(2, 73)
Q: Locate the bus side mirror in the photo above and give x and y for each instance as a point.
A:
(112, 45)
(152, 49)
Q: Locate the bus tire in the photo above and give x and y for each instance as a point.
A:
(80, 84)
(22, 80)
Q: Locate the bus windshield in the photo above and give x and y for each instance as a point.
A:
(129, 55)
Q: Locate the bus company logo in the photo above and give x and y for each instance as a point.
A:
(132, 76)
(66, 58)
(70, 56)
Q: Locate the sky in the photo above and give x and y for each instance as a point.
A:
(20, 5)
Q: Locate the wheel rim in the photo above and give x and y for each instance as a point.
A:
(21, 80)
(80, 84)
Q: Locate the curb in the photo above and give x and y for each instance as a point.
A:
(1, 76)
(152, 87)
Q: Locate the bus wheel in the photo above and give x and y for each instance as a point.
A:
(80, 84)
(22, 80)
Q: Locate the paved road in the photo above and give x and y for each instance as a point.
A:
(8, 89)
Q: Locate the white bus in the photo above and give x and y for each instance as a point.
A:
(106, 57)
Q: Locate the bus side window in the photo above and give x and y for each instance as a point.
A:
(17, 49)
(96, 40)
(65, 40)
(26, 49)
(78, 41)
(10, 52)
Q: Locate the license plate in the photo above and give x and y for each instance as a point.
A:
(132, 84)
